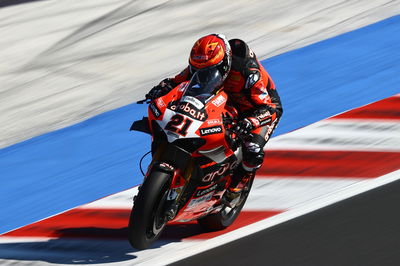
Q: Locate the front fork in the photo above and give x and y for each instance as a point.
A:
(181, 167)
(178, 185)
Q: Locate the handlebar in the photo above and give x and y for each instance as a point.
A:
(143, 101)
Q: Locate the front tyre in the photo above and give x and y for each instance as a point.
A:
(147, 220)
(225, 217)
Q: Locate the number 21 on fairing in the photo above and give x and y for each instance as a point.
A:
(179, 124)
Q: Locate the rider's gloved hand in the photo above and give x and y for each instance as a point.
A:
(161, 89)
(245, 126)
(154, 93)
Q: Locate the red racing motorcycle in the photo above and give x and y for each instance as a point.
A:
(194, 152)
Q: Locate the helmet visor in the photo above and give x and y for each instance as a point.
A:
(204, 83)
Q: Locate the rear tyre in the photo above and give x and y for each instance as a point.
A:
(225, 217)
(147, 220)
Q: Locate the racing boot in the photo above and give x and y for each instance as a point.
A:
(240, 179)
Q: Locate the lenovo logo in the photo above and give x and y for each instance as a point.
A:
(210, 130)
(203, 192)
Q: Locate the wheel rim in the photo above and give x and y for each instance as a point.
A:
(227, 212)
(158, 218)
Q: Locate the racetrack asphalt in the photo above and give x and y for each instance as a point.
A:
(362, 230)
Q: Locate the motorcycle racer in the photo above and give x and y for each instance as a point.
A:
(250, 90)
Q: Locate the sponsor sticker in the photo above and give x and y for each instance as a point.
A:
(266, 115)
(219, 101)
(213, 122)
(189, 110)
(205, 191)
(156, 112)
(189, 99)
(210, 130)
(196, 201)
(219, 172)
(254, 121)
(160, 102)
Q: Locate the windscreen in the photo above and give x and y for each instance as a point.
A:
(204, 83)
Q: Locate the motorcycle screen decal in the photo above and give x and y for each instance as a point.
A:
(197, 103)
(210, 130)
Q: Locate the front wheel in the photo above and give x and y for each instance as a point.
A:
(225, 217)
(147, 220)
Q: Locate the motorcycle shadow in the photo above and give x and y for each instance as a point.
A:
(90, 245)
(67, 251)
(173, 232)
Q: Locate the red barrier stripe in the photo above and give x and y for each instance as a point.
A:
(329, 163)
(112, 224)
(388, 108)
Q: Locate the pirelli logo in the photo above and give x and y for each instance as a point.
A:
(210, 130)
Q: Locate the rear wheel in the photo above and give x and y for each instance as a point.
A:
(147, 220)
(225, 217)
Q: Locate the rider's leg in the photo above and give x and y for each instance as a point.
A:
(253, 157)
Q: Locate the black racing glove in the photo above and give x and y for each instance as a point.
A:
(161, 89)
(244, 127)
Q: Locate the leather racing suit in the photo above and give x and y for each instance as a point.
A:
(252, 92)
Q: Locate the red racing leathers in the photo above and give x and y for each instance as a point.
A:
(252, 92)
